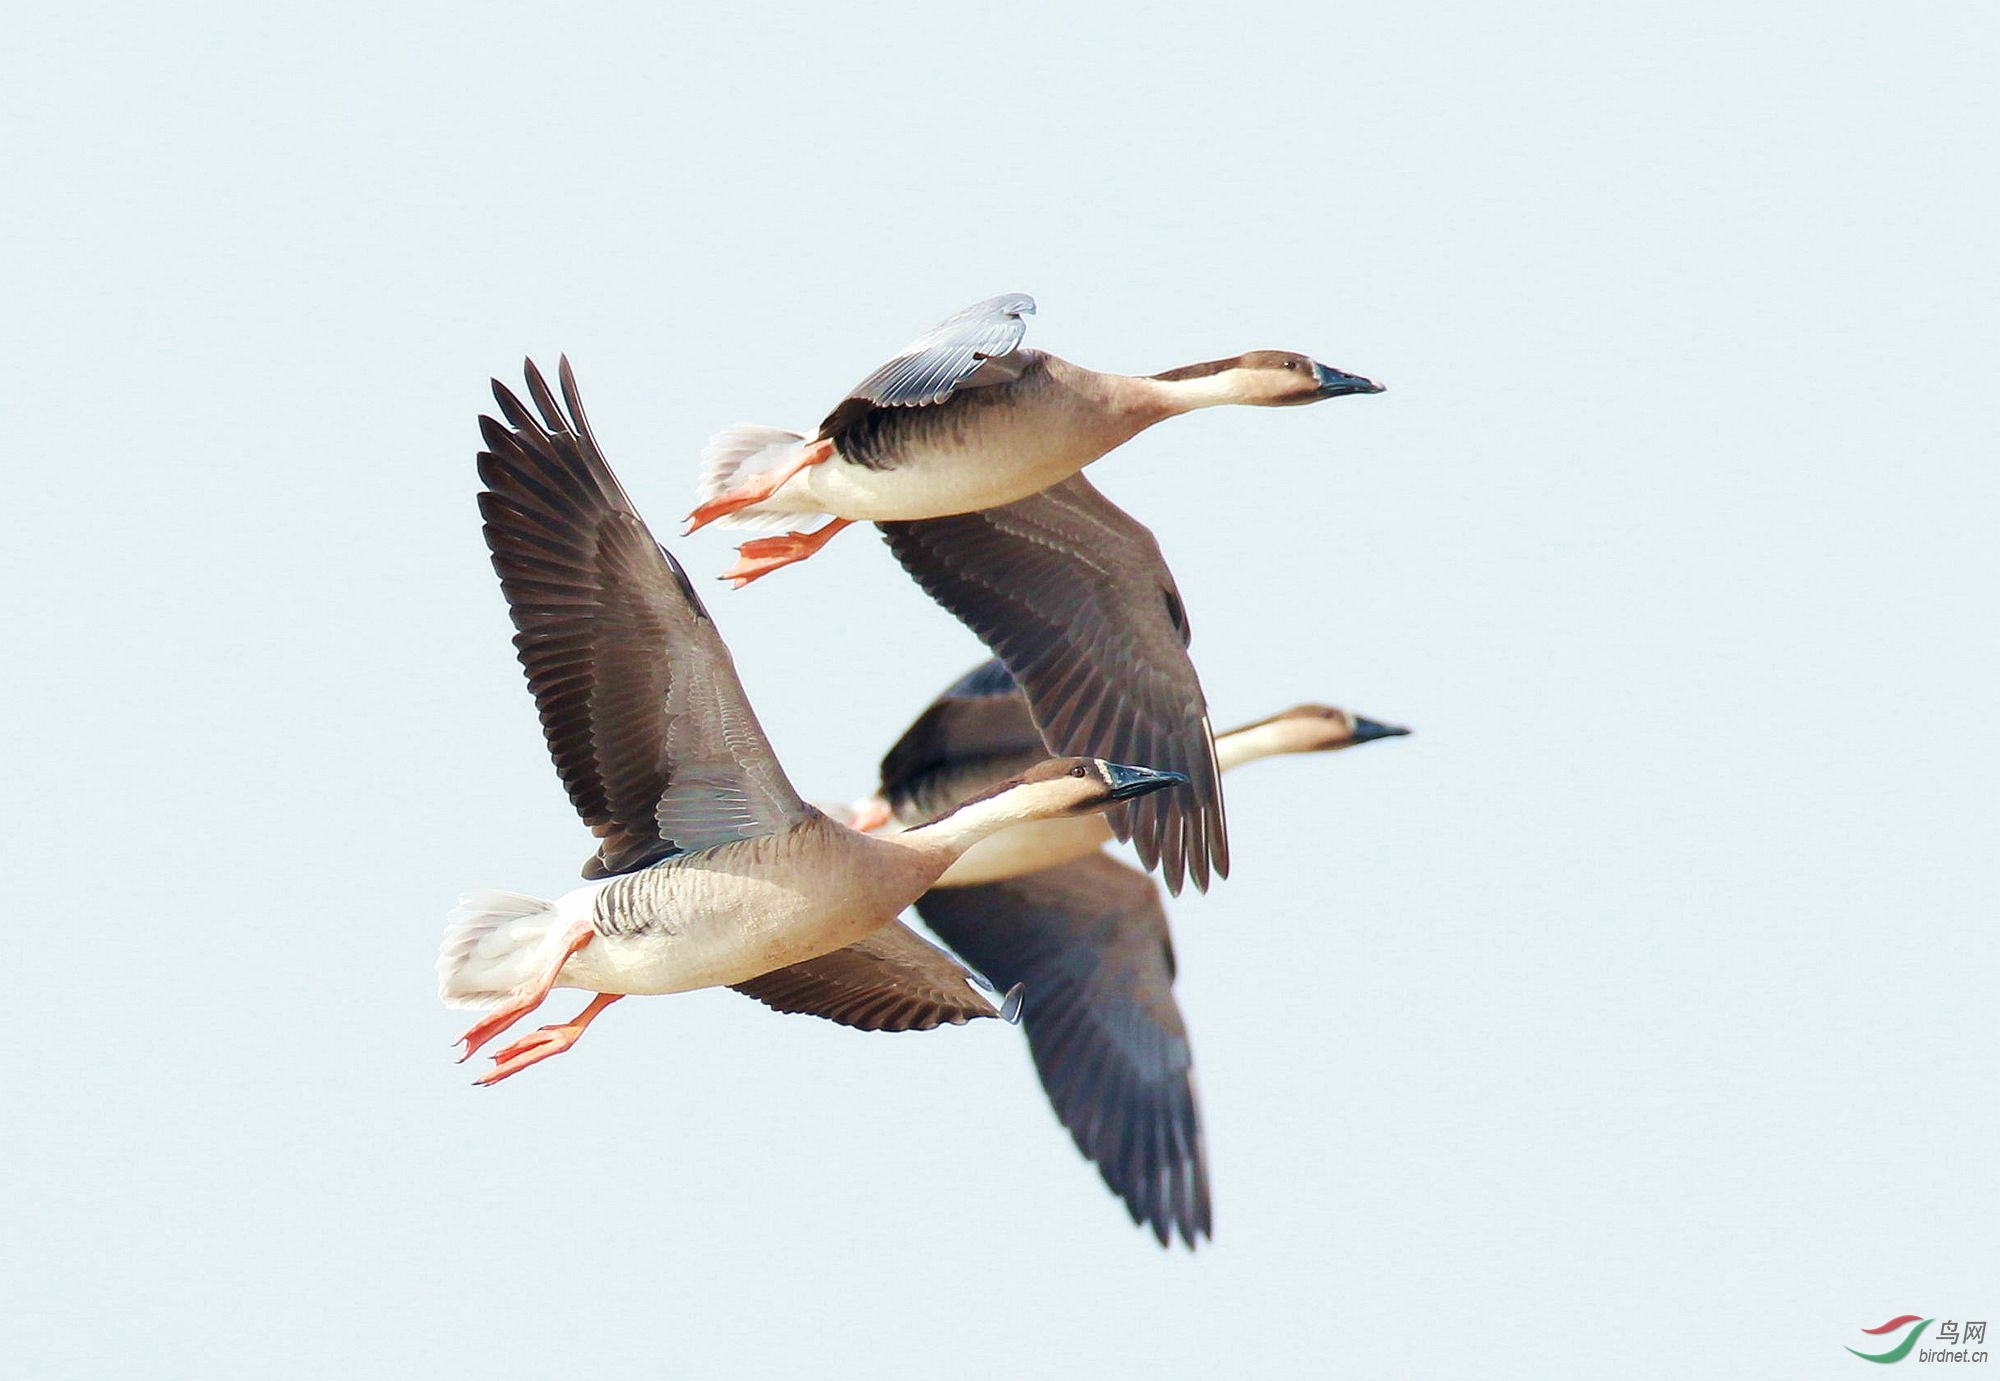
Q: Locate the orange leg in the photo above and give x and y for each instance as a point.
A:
(537, 1046)
(871, 814)
(767, 554)
(504, 1016)
(757, 488)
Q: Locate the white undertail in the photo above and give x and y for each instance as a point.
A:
(496, 944)
(734, 455)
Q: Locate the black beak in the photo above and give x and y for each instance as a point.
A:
(1366, 729)
(1127, 782)
(1333, 383)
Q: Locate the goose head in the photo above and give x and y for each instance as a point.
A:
(1078, 786)
(1325, 728)
(1052, 789)
(1262, 379)
(1301, 729)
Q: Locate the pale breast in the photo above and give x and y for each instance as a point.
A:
(731, 913)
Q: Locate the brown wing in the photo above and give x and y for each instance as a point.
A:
(976, 733)
(1088, 943)
(640, 703)
(1071, 593)
(892, 981)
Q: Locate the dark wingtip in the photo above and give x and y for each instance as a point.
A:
(532, 375)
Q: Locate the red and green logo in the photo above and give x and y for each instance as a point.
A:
(1900, 1350)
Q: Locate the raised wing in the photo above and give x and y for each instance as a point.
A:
(1071, 593)
(933, 367)
(1088, 943)
(894, 980)
(640, 702)
(977, 732)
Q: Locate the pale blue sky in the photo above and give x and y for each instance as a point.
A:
(1635, 1018)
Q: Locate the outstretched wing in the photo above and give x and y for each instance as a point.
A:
(639, 700)
(935, 365)
(894, 980)
(1071, 593)
(1088, 943)
(977, 732)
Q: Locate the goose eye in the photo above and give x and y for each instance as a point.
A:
(1076, 772)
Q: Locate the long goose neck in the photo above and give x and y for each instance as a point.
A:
(1253, 741)
(1127, 404)
(1212, 390)
(956, 831)
(1122, 405)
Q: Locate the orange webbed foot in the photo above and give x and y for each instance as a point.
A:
(491, 1025)
(758, 558)
(721, 506)
(871, 814)
(756, 489)
(507, 1013)
(540, 1045)
(531, 1049)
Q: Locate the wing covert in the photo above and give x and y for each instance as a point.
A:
(1072, 594)
(893, 980)
(640, 703)
(933, 367)
(978, 728)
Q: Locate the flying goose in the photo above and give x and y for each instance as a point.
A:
(710, 869)
(1071, 593)
(979, 731)
(962, 419)
(1082, 937)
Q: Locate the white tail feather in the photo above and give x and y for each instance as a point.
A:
(495, 947)
(733, 455)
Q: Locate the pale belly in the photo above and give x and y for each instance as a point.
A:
(934, 479)
(703, 930)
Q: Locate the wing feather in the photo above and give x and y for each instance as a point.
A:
(640, 703)
(893, 980)
(978, 729)
(934, 366)
(1088, 942)
(1073, 596)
